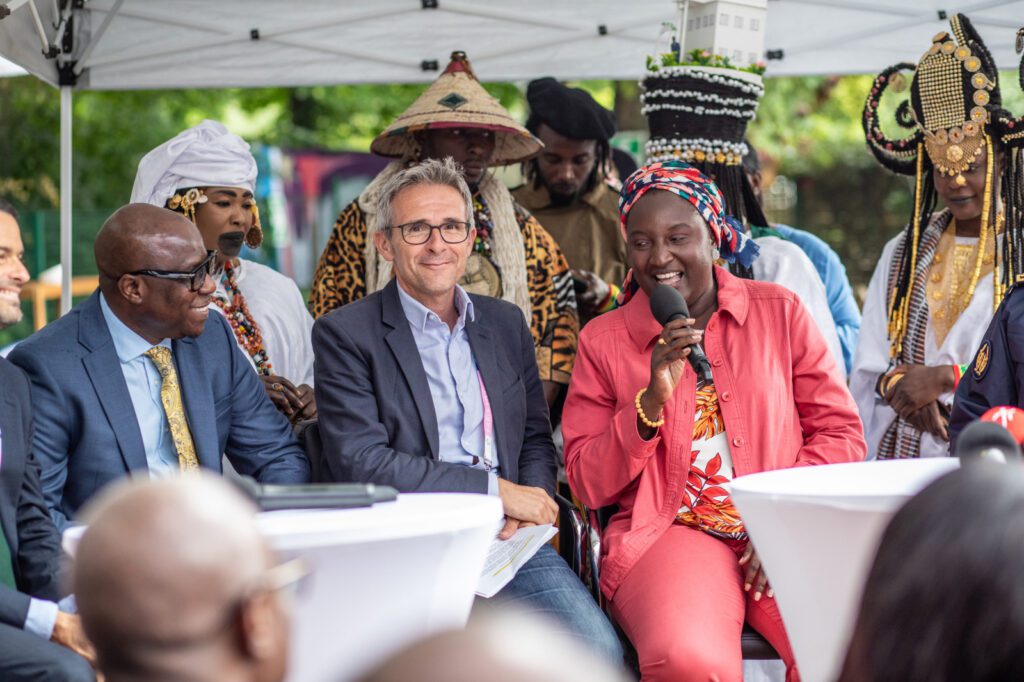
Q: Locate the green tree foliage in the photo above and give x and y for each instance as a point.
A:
(807, 128)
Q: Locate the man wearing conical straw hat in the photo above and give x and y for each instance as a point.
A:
(513, 257)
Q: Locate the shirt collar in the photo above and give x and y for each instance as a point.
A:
(535, 198)
(127, 343)
(733, 300)
(418, 314)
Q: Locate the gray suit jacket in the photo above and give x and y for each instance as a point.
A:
(377, 416)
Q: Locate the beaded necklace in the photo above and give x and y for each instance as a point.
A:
(484, 226)
(247, 332)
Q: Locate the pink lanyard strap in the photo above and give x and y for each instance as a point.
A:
(488, 425)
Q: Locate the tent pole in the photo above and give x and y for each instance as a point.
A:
(65, 198)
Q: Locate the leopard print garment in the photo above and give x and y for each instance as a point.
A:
(341, 278)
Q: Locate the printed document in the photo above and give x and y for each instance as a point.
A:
(506, 557)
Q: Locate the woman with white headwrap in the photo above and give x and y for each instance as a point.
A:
(208, 174)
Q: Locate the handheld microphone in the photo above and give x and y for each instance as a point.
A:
(667, 304)
(987, 440)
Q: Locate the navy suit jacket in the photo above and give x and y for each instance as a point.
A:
(24, 518)
(376, 412)
(996, 375)
(86, 432)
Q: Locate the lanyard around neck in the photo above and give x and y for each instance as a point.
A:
(488, 425)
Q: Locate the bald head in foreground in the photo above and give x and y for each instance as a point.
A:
(498, 646)
(143, 353)
(174, 582)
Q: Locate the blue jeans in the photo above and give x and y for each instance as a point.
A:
(546, 585)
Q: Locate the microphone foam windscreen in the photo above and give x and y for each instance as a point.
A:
(667, 302)
(1010, 418)
(987, 440)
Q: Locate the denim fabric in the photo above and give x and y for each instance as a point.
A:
(546, 586)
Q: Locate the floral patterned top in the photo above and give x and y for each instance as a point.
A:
(706, 504)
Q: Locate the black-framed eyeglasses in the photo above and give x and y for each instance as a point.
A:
(195, 278)
(452, 232)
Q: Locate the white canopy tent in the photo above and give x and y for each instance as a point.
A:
(8, 69)
(143, 44)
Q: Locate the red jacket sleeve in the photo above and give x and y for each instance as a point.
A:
(604, 453)
(828, 416)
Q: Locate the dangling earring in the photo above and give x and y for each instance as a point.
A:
(715, 255)
(254, 235)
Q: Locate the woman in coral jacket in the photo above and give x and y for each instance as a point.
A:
(642, 433)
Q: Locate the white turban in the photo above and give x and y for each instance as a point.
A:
(207, 155)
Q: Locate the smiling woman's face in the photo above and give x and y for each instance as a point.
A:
(668, 242)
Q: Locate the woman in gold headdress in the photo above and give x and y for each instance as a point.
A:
(937, 284)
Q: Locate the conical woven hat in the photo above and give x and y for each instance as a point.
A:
(457, 100)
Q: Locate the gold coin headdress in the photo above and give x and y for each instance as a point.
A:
(954, 110)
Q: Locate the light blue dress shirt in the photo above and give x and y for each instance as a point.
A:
(144, 382)
(841, 302)
(454, 382)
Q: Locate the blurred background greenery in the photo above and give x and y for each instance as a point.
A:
(808, 131)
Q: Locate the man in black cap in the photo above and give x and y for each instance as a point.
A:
(567, 191)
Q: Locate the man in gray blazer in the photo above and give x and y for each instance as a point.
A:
(424, 387)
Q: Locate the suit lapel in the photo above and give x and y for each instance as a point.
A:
(197, 397)
(482, 345)
(407, 355)
(12, 465)
(104, 370)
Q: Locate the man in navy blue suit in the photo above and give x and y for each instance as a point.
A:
(139, 379)
(426, 388)
(37, 640)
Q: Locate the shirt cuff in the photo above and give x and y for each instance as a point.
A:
(492, 483)
(68, 604)
(42, 616)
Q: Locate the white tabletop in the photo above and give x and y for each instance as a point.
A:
(816, 530)
(382, 577)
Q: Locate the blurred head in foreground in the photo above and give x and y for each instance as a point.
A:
(504, 646)
(174, 581)
(944, 600)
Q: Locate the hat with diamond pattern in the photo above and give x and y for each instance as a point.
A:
(457, 100)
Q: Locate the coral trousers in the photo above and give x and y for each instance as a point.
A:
(683, 606)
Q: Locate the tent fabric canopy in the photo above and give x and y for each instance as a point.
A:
(140, 44)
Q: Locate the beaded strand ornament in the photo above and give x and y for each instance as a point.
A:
(244, 326)
(484, 226)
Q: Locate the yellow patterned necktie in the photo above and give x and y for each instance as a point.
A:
(170, 396)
